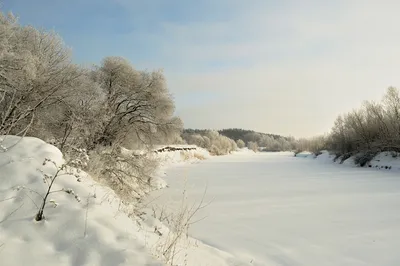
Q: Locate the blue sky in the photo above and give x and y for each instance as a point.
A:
(133, 29)
(286, 67)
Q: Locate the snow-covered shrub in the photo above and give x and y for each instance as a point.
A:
(364, 158)
(211, 140)
(129, 175)
(49, 180)
(337, 156)
(240, 143)
(174, 238)
(314, 145)
(372, 126)
(252, 146)
(51, 172)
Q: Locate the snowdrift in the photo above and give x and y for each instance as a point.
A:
(276, 209)
(91, 225)
(86, 232)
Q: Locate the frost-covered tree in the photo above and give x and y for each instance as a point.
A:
(137, 103)
(240, 143)
(212, 141)
(35, 73)
(252, 146)
(372, 127)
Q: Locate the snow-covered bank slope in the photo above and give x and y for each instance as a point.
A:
(275, 209)
(382, 161)
(89, 232)
(96, 230)
(175, 158)
(387, 161)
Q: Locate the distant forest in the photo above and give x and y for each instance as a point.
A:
(243, 138)
(238, 133)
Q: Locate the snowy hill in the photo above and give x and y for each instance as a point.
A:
(85, 222)
(87, 232)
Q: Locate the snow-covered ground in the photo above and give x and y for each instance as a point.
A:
(385, 161)
(90, 226)
(264, 209)
(91, 231)
(276, 209)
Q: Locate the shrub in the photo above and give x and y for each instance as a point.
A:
(129, 175)
(211, 140)
(252, 146)
(240, 143)
(364, 158)
(337, 156)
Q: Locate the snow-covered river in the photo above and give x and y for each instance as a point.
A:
(275, 209)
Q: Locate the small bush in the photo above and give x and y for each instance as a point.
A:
(240, 143)
(127, 174)
(318, 153)
(199, 156)
(211, 140)
(364, 158)
(337, 156)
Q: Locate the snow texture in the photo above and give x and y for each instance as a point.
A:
(99, 229)
(276, 209)
(264, 209)
(89, 232)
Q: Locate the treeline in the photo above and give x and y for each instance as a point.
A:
(375, 126)
(243, 138)
(97, 109)
(243, 134)
(365, 131)
(315, 144)
(211, 140)
(267, 142)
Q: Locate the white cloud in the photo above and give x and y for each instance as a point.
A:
(308, 63)
(287, 67)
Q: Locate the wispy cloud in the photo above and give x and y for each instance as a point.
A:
(279, 66)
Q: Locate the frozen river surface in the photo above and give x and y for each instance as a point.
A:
(275, 209)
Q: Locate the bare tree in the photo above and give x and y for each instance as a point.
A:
(373, 127)
(137, 102)
(215, 143)
(391, 101)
